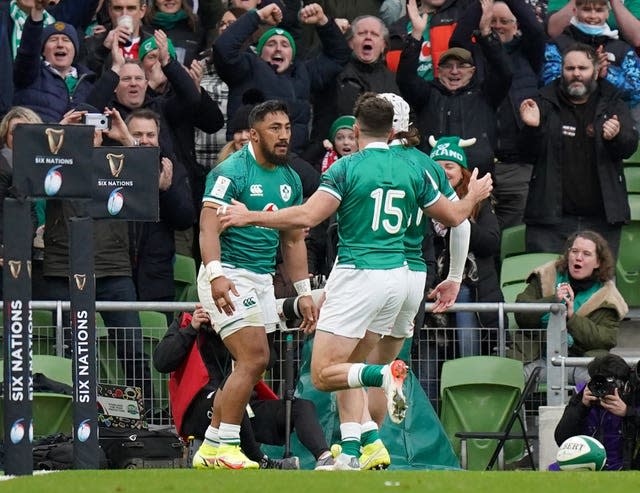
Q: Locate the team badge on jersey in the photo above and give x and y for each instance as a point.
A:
(220, 187)
(285, 192)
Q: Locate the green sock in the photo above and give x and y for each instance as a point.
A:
(368, 437)
(371, 375)
(350, 447)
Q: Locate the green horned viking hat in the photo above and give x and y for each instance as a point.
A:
(450, 149)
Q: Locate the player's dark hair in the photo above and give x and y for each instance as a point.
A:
(374, 115)
(260, 111)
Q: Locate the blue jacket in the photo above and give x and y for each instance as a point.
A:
(243, 70)
(75, 12)
(40, 88)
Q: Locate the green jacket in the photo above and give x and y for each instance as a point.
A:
(594, 326)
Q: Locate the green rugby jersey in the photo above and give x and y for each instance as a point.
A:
(417, 224)
(240, 177)
(378, 190)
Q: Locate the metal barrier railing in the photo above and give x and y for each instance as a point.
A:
(556, 334)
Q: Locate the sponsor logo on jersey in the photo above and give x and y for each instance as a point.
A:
(220, 187)
(256, 190)
(249, 302)
(271, 207)
(569, 130)
(285, 192)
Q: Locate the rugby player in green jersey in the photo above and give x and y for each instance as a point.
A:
(235, 280)
(374, 191)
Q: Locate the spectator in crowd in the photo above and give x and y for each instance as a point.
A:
(209, 145)
(365, 71)
(623, 15)
(14, 15)
(14, 117)
(177, 20)
(113, 274)
(273, 70)
(46, 78)
(458, 102)
(234, 282)
(611, 418)
(479, 277)
(523, 38)
(381, 265)
(207, 117)
(239, 128)
(577, 132)
(125, 31)
(152, 244)
(582, 278)
(441, 16)
(341, 141)
(617, 61)
(199, 362)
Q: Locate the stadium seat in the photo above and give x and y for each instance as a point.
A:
(517, 268)
(510, 292)
(628, 263)
(512, 241)
(52, 413)
(184, 278)
(154, 326)
(506, 434)
(632, 177)
(479, 394)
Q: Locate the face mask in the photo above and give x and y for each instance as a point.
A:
(590, 29)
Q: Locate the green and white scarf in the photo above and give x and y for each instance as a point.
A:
(19, 18)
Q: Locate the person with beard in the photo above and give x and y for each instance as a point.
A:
(617, 61)
(235, 279)
(582, 279)
(373, 191)
(577, 132)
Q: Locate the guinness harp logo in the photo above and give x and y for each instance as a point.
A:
(55, 137)
(116, 162)
(15, 266)
(81, 280)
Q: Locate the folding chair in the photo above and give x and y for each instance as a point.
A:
(479, 394)
(512, 241)
(517, 268)
(516, 416)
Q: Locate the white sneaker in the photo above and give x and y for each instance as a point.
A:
(346, 462)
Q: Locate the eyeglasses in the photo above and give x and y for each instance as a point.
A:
(451, 66)
(502, 22)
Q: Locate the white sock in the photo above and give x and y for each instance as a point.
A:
(369, 426)
(229, 434)
(353, 377)
(211, 436)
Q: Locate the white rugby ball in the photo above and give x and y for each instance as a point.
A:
(115, 202)
(581, 452)
(53, 181)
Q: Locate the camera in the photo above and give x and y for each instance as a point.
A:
(98, 120)
(601, 385)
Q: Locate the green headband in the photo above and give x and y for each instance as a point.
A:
(150, 45)
(274, 31)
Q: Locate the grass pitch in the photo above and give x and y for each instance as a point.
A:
(192, 481)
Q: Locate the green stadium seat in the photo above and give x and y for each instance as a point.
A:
(517, 268)
(52, 413)
(510, 291)
(479, 394)
(628, 263)
(632, 177)
(154, 326)
(512, 241)
(184, 278)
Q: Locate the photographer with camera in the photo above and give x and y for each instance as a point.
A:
(606, 408)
